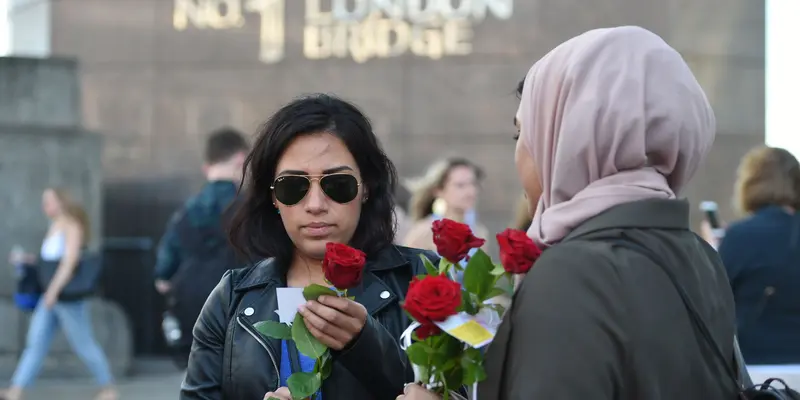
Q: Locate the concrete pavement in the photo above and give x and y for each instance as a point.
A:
(160, 380)
(150, 380)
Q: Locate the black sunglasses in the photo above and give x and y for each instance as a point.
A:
(291, 189)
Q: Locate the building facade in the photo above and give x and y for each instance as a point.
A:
(436, 77)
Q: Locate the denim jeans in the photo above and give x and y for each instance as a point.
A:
(74, 318)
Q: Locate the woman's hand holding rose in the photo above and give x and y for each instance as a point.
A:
(334, 321)
(417, 392)
(280, 394)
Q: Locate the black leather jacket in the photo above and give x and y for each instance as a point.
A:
(230, 360)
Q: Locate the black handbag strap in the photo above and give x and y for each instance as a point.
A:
(697, 320)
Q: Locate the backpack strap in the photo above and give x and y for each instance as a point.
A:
(694, 315)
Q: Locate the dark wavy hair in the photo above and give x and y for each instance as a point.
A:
(256, 230)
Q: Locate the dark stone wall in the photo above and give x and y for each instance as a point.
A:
(156, 91)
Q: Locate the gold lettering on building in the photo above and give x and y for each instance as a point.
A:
(212, 14)
(358, 29)
(271, 35)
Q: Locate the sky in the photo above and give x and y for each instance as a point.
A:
(782, 80)
(4, 28)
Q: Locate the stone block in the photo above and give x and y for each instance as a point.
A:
(42, 92)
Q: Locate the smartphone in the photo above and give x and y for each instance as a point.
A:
(711, 211)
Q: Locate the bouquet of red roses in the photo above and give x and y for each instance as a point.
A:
(343, 267)
(452, 319)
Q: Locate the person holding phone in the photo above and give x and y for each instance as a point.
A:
(712, 229)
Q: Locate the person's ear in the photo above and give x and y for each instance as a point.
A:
(365, 196)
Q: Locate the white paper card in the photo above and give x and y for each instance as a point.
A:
(469, 329)
(289, 299)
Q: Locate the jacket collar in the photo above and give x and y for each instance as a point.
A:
(373, 293)
(644, 214)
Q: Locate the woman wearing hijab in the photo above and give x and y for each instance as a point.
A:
(612, 125)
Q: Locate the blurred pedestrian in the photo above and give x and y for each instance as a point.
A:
(761, 253)
(62, 268)
(194, 251)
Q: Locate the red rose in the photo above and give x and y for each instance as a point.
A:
(517, 251)
(454, 240)
(343, 265)
(427, 330)
(432, 299)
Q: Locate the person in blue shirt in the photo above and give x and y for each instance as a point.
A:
(761, 254)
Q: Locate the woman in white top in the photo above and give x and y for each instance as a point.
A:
(67, 235)
(449, 189)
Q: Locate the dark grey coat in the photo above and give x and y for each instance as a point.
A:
(597, 321)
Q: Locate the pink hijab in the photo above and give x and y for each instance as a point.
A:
(610, 117)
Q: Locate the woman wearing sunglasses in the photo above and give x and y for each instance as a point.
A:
(316, 174)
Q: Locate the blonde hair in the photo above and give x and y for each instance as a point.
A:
(74, 210)
(522, 215)
(424, 188)
(767, 176)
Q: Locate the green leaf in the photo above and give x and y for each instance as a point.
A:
(418, 353)
(327, 368)
(424, 373)
(429, 265)
(505, 282)
(451, 348)
(313, 291)
(449, 364)
(273, 398)
(477, 277)
(467, 303)
(274, 330)
(444, 266)
(324, 365)
(306, 342)
(454, 377)
(472, 365)
(496, 292)
(303, 385)
(500, 309)
(498, 270)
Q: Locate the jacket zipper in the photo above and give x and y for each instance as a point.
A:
(260, 341)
